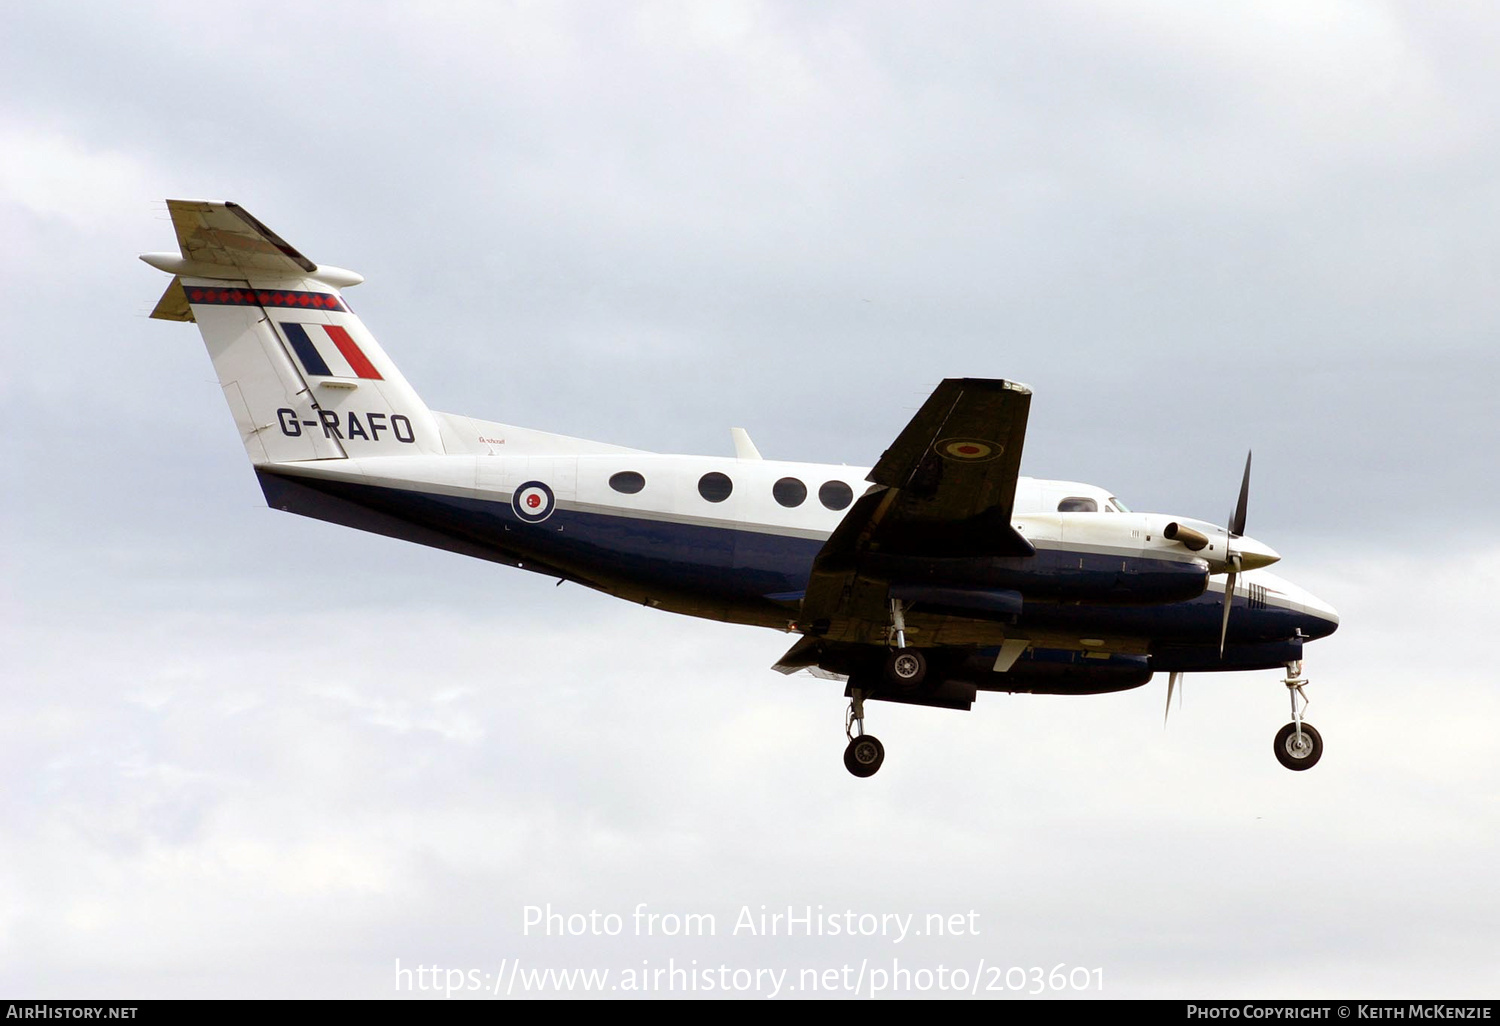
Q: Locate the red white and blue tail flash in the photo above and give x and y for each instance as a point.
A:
(328, 351)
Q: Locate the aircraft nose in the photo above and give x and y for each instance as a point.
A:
(1325, 619)
(1254, 554)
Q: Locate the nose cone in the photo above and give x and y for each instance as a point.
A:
(1313, 617)
(1254, 554)
(1325, 619)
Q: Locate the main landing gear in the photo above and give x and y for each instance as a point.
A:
(905, 669)
(1298, 745)
(865, 752)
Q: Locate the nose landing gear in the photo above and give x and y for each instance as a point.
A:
(1298, 745)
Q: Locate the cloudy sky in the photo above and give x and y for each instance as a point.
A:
(248, 754)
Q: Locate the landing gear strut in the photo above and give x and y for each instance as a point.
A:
(865, 752)
(1298, 745)
(904, 667)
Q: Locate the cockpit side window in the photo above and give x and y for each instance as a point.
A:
(1077, 504)
(1118, 506)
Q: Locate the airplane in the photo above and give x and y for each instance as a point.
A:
(934, 575)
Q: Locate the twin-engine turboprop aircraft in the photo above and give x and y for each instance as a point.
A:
(938, 574)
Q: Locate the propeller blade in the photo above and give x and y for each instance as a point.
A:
(1172, 679)
(1237, 522)
(1228, 604)
(1236, 530)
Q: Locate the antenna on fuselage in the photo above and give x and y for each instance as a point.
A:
(744, 449)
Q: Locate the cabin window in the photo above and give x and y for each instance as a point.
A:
(715, 487)
(1077, 504)
(627, 481)
(789, 492)
(835, 495)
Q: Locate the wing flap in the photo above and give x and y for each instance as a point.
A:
(801, 656)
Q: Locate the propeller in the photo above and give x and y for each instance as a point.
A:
(1231, 556)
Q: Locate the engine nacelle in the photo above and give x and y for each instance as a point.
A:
(1260, 655)
(1051, 575)
(946, 694)
(1062, 672)
(976, 603)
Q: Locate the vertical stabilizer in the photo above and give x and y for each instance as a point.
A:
(303, 377)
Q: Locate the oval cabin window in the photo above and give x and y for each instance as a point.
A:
(627, 481)
(835, 495)
(789, 492)
(715, 487)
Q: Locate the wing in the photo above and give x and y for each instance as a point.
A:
(944, 490)
(952, 473)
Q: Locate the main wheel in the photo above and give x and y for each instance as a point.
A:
(906, 668)
(864, 755)
(1298, 751)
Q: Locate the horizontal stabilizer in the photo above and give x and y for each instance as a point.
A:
(173, 304)
(225, 234)
(223, 240)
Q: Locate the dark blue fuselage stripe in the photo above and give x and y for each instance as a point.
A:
(308, 353)
(744, 568)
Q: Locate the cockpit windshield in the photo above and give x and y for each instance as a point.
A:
(1100, 501)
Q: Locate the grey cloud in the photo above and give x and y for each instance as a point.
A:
(289, 754)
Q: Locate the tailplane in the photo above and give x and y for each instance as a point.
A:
(303, 378)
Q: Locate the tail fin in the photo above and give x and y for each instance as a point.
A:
(303, 378)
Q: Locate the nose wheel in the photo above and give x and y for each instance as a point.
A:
(1298, 748)
(1298, 745)
(865, 753)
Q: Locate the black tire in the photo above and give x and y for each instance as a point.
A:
(1298, 756)
(864, 755)
(906, 668)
